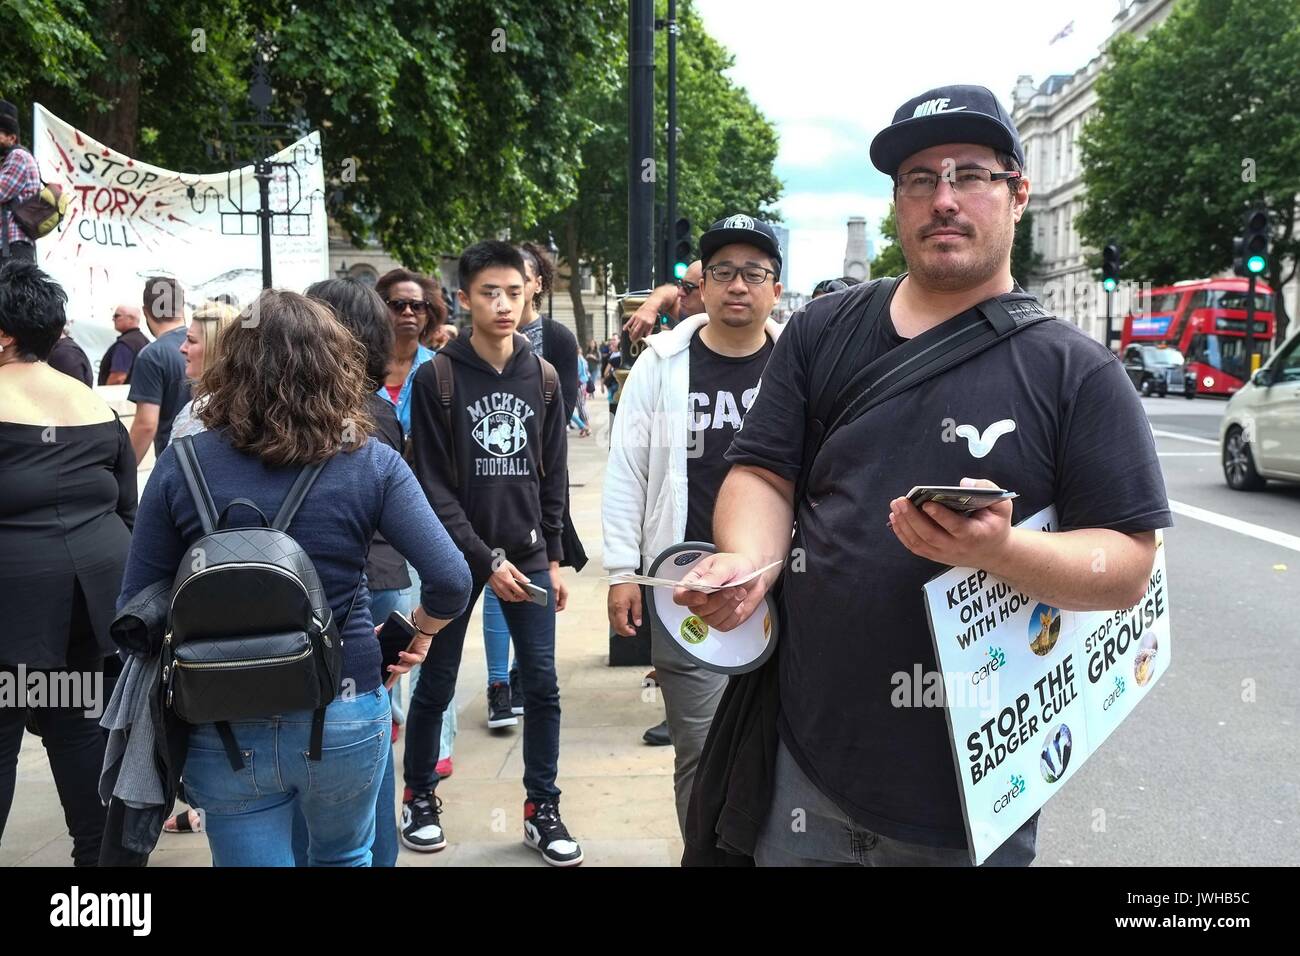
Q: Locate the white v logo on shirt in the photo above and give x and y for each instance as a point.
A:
(981, 445)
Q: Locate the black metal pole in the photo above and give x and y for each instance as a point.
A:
(670, 218)
(262, 173)
(1110, 338)
(640, 240)
(641, 186)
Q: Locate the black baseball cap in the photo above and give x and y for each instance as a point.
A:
(740, 228)
(946, 114)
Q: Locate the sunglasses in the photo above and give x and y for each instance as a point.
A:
(688, 287)
(417, 306)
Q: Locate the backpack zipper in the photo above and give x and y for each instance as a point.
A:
(242, 564)
(247, 662)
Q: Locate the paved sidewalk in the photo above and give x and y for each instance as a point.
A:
(618, 793)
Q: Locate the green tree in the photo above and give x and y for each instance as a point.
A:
(1024, 260)
(889, 261)
(460, 115)
(726, 154)
(1195, 124)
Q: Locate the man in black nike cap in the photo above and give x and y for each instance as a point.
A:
(863, 774)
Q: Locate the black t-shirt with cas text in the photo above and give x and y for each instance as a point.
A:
(722, 390)
(1051, 415)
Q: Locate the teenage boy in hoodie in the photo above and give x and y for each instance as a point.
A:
(680, 407)
(490, 452)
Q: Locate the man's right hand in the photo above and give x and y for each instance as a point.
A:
(729, 608)
(505, 581)
(625, 601)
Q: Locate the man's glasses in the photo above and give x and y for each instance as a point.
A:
(753, 275)
(417, 306)
(687, 287)
(970, 180)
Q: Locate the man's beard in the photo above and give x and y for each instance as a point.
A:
(984, 261)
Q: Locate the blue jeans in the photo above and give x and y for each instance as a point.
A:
(407, 599)
(383, 850)
(496, 638)
(532, 629)
(383, 603)
(250, 812)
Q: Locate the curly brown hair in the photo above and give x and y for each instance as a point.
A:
(291, 384)
(543, 268)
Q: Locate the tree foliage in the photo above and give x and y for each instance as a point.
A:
(460, 115)
(726, 153)
(1195, 124)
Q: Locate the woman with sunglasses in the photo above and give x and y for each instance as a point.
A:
(416, 308)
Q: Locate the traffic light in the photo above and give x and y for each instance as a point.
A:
(1250, 252)
(682, 247)
(1110, 267)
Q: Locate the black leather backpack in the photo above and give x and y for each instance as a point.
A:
(250, 633)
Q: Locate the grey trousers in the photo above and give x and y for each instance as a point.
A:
(805, 828)
(691, 695)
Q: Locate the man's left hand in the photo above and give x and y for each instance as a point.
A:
(940, 534)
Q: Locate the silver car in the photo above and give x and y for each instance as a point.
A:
(1260, 433)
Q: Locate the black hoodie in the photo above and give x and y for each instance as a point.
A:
(502, 498)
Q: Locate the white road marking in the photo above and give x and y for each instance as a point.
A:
(1161, 433)
(1269, 535)
(1188, 454)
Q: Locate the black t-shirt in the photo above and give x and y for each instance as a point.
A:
(67, 356)
(1071, 432)
(722, 390)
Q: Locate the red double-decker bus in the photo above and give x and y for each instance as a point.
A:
(1205, 320)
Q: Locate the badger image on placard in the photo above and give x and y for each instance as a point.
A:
(1044, 629)
(1056, 755)
(1144, 664)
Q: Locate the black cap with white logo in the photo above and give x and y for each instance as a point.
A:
(753, 232)
(946, 114)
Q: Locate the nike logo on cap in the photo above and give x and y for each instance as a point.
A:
(930, 107)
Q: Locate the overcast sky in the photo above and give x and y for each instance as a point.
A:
(830, 74)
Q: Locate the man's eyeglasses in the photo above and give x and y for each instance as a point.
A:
(970, 180)
(687, 287)
(417, 306)
(753, 275)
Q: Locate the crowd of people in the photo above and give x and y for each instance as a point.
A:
(381, 468)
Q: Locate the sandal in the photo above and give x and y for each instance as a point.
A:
(183, 822)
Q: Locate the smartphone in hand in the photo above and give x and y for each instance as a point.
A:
(398, 634)
(959, 498)
(539, 596)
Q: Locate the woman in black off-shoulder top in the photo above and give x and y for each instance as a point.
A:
(68, 504)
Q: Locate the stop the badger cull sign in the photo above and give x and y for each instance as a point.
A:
(1031, 691)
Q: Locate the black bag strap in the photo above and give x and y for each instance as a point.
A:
(297, 493)
(550, 385)
(445, 378)
(198, 485)
(230, 745)
(848, 394)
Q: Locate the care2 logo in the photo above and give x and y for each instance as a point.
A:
(1018, 786)
(997, 658)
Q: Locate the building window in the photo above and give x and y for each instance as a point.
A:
(364, 273)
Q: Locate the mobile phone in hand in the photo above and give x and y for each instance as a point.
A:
(959, 498)
(539, 596)
(397, 635)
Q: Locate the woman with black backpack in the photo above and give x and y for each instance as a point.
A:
(272, 654)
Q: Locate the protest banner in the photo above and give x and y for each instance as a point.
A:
(128, 220)
(1031, 691)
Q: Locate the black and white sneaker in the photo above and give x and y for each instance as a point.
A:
(499, 713)
(516, 692)
(421, 830)
(545, 832)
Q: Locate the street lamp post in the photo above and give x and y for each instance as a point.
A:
(550, 292)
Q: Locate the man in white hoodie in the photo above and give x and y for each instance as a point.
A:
(680, 408)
